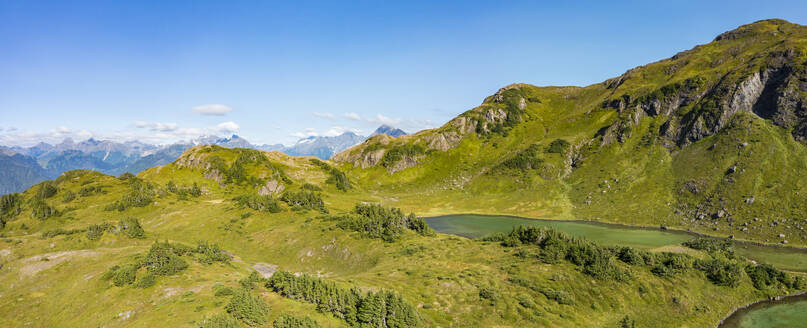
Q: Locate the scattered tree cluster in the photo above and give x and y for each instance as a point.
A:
(238, 173)
(258, 202)
(397, 153)
(10, 206)
(248, 308)
(162, 259)
(525, 160)
(290, 321)
(376, 221)
(304, 200)
(337, 178)
(764, 276)
(140, 194)
(557, 146)
(128, 226)
(184, 192)
(381, 309)
(599, 262)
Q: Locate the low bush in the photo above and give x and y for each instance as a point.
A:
(131, 227)
(222, 320)
(248, 308)
(258, 203)
(376, 221)
(559, 296)
(381, 309)
(337, 178)
(557, 146)
(304, 200)
(290, 321)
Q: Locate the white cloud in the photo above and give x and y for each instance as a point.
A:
(384, 120)
(157, 126)
(338, 130)
(324, 115)
(228, 127)
(352, 116)
(309, 132)
(213, 109)
(378, 119)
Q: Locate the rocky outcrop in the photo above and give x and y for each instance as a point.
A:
(443, 141)
(405, 163)
(271, 187)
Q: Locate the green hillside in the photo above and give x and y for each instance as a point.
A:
(244, 238)
(710, 140)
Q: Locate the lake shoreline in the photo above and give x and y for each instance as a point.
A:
(622, 225)
(748, 306)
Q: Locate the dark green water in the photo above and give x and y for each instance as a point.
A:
(475, 226)
(787, 313)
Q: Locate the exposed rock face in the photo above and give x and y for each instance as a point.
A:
(774, 93)
(464, 124)
(443, 141)
(271, 187)
(405, 163)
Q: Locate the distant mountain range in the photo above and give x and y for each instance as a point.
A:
(22, 167)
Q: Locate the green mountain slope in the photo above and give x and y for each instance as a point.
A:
(244, 238)
(710, 139)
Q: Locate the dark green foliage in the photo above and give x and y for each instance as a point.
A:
(248, 308)
(95, 231)
(126, 176)
(140, 194)
(249, 281)
(337, 178)
(396, 154)
(171, 186)
(42, 210)
(310, 187)
(490, 294)
(559, 296)
(376, 221)
(10, 206)
(382, 309)
(599, 262)
(69, 196)
(209, 253)
(124, 275)
(222, 320)
(558, 146)
(221, 290)
(131, 227)
(304, 200)
(163, 259)
(89, 190)
(721, 272)
(527, 159)
(195, 191)
(627, 322)
(764, 276)
(146, 281)
(712, 245)
(671, 264)
(632, 256)
(259, 203)
(290, 321)
(47, 189)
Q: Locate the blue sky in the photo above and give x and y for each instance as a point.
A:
(158, 71)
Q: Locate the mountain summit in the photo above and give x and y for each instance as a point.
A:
(388, 130)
